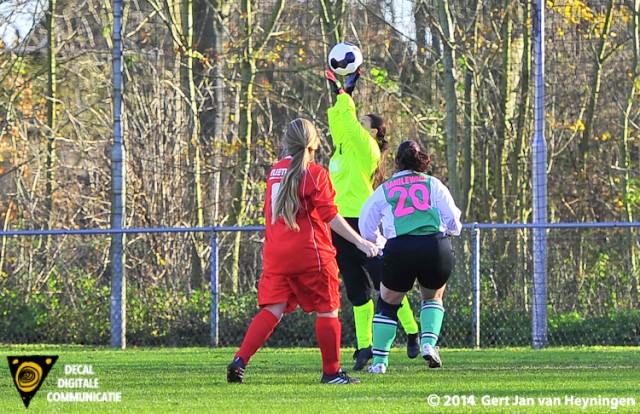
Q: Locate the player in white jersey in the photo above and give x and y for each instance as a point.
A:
(417, 215)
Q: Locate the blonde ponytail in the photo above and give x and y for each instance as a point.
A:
(301, 136)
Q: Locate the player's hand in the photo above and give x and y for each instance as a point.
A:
(368, 248)
(350, 83)
(336, 87)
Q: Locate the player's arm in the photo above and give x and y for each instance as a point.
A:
(323, 200)
(345, 127)
(370, 216)
(340, 226)
(449, 213)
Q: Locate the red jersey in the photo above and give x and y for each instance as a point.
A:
(309, 250)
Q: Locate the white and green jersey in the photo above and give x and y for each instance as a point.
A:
(410, 203)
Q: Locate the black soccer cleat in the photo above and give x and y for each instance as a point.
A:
(362, 357)
(235, 370)
(340, 378)
(413, 345)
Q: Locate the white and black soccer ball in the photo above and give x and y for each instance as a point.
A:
(345, 58)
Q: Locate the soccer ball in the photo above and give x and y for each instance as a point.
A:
(345, 58)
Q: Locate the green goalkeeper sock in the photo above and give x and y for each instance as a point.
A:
(384, 332)
(406, 318)
(363, 318)
(431, 315)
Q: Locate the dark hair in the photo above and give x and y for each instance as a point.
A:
(378, 122)
(411, 157)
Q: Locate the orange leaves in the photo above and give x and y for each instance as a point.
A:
(8, 211)
(576, 126)
(25, 103)
(579, 13)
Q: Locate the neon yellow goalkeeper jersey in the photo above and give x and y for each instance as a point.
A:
(355, 158)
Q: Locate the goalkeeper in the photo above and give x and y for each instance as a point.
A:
(357, 166)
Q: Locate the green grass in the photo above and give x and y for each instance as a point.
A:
(193, 380)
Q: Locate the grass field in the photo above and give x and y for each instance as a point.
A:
(193, 380)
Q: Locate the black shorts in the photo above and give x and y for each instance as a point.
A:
(429, 259)
(360, 274)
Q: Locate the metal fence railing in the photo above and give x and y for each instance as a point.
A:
(181, 291)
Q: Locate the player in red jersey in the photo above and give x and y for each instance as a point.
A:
(299, 264)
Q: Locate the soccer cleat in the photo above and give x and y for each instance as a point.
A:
(431, 355)
(235, 370)
(362, 357)
(340, 378)
(413, 345)
(378, 368)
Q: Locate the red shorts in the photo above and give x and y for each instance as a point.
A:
(315, 292)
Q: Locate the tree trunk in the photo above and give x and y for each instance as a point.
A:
(517, 168)
(470, 111)
(239, 192)
(52, 131)
(596, 82)
(332, 22)
(195, 201)
(624, 161)
(451, 123)
(222, 10)
(251, 51)
(51, 114)
(504, 126)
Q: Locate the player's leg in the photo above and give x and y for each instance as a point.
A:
(260, 328)
(431, 317)
(410, 326)
(320, 293)
(275, 297)
(385, 325)
(439, 262)
(359, 294)
(358, 289)
(405, 313)
(328, 334)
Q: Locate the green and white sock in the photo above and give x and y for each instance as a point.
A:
(431, 316)
(384, 332)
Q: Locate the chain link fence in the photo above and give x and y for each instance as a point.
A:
(55, 288)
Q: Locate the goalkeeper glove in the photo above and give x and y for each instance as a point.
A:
(336, 87)
(350, 83)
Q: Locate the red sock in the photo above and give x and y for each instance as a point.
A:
(328, 332)
(259, 331)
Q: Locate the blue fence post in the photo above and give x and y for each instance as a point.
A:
(118, 315)
(214, 288)
(539, 186)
